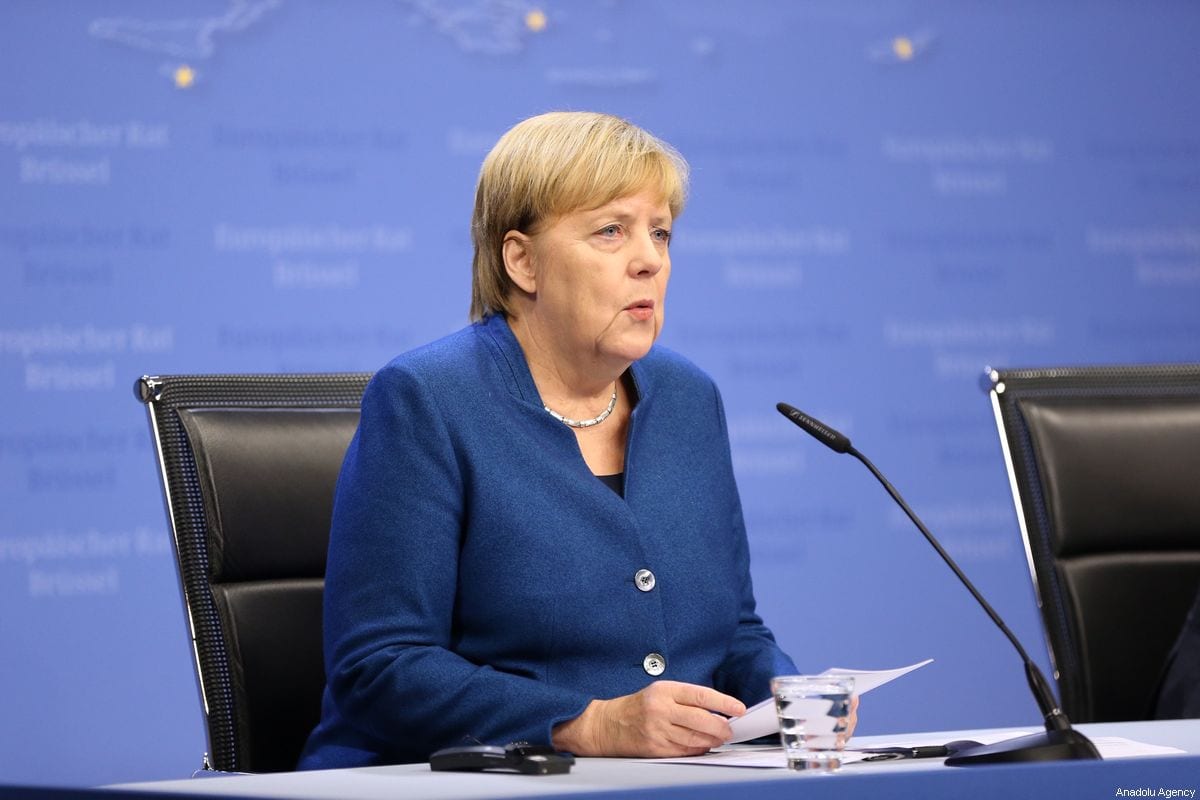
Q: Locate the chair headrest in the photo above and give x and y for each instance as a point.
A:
(1118, 473)
(268, 477)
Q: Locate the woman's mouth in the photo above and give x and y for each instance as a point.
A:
(641, 309)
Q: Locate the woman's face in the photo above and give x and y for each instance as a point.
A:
(601, 277)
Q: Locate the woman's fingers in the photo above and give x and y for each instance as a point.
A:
(851, 722)
(706, 698)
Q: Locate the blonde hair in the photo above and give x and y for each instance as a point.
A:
(553, 164)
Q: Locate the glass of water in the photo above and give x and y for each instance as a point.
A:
(813, 714)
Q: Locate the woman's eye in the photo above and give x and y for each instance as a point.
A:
(662, 235)
(610, 230)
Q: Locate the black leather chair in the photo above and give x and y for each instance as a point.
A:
(1104, 464)
(248, 466)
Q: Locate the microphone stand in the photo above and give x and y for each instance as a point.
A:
(1059, 742)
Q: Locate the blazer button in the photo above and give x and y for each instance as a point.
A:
(654, 664)
(644, 580)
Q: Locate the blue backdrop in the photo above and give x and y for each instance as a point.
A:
(887, 196)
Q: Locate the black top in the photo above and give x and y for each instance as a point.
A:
(614, 482)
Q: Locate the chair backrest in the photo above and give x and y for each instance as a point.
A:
(248, 466)
(1104, 464)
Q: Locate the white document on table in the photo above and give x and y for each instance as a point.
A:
(760, 720)
(772, 757)
(1110, 747)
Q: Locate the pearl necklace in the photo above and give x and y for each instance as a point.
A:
(585, 423)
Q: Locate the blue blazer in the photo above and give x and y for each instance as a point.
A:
(480, 585)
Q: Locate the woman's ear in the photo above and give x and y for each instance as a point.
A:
(517, 249)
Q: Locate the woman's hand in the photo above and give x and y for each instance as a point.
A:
(665, 719)
(851, 721)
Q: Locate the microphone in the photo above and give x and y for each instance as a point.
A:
(1060, 742)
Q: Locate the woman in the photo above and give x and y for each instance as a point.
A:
(536, 533)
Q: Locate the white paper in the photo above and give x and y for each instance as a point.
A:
(760, 720)
(770, 757)
(1118, 747)
(749, 758)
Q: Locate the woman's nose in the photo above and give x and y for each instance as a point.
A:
(648, 256)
